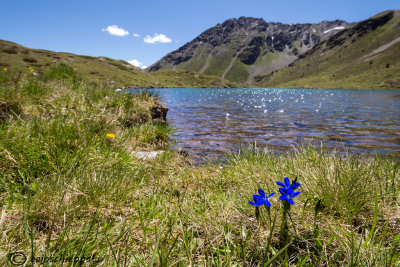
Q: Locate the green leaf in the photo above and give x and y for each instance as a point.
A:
(277, 254)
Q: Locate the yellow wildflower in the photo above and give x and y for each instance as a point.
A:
(110, 135)
(123, 87)
(5, 69)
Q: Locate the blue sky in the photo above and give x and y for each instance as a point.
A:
(107, 28)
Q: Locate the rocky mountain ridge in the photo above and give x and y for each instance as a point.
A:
(366, 55)
(240, 49)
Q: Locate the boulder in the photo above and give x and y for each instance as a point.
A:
(159, 114)
(147, 155)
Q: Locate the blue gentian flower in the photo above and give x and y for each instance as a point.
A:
(287, 190)
(287, 184)
(261, 199)
(288, 194)
(295, 184)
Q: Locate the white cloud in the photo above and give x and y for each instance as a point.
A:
(136, 35)
(115, 30)
(157, 38)
(137, 63)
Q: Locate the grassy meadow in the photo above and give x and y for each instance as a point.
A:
(15, 58)
(70, 188)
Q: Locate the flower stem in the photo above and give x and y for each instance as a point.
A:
(284, 231)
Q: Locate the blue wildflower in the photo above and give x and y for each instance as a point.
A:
(287, 190)
(288, 194)
(261, 199)
(287, 184)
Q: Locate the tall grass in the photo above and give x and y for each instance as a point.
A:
(66, 190)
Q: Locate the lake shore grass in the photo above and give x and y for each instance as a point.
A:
(70, 189)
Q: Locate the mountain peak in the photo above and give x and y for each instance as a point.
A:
(240, 48)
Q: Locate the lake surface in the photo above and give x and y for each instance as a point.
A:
(210, 122)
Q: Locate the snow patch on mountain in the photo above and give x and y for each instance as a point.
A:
(336, 28)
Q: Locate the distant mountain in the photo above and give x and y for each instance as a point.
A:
(366, 55)
(241, 49)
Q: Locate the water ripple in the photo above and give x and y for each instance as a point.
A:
(213, 121)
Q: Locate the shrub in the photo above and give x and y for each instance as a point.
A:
(10, 50)
(29, 60)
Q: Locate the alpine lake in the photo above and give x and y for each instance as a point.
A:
(211, 122)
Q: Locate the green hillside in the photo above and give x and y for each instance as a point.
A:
(15, 58)
(364, 56)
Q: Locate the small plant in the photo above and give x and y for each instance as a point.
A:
(287, 195)
(287, 191)
(29, 59)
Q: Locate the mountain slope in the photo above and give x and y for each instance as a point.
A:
(240, 49)
(15, 58)
(366, 55)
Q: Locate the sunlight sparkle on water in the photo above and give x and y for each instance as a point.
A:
(361, 120)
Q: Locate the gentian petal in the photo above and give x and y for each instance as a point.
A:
(287, 181)
(282, 198)
(270, 195)
(290, 201)
(280, 184)
(252, 203)
(257, 197)
(283, 191)
(260, 202)
(261, 192)
(295, 186)
(295, 194)
(266, 202)
(289, 191)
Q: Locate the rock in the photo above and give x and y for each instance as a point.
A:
(118, 90)
(159, 114)
(251, 53)
(183, 152)
(147, 155)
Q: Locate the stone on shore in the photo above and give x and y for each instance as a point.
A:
(147, 155)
